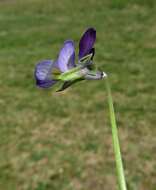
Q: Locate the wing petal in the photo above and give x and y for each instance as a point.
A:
(66, 56)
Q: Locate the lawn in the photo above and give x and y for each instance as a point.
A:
(62, 141)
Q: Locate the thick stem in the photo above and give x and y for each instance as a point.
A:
(116, 145)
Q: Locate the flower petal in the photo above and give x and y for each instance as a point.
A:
(87, 42)
(43, 74)
(66, 56)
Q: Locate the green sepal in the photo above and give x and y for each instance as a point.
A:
(86, 59)
(56, 73)
(70, 75)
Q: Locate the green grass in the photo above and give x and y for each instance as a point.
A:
(63, 141)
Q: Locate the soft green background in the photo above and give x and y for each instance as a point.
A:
(62, 141)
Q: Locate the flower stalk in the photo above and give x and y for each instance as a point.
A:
(116, 145)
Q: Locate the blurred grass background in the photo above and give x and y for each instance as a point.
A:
(62, 141)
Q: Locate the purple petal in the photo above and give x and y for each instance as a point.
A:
(87, 42)
(66, 56)
(43, 74)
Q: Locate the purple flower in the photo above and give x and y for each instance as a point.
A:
(64, 69)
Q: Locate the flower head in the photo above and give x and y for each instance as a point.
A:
(64, 69)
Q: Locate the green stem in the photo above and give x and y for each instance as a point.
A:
(118, 159)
